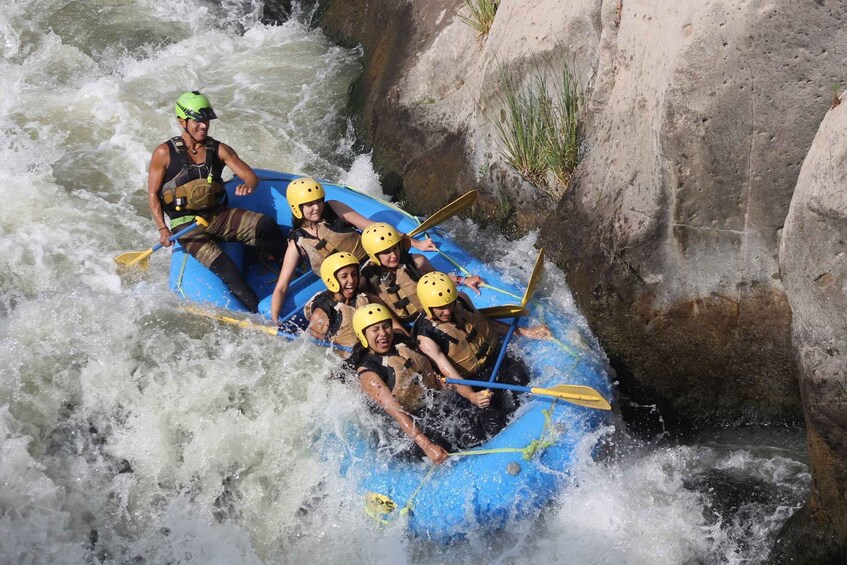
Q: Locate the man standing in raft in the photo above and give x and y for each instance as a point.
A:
(184, 181)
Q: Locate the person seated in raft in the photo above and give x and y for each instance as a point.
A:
(393, 272)
(402, 381)
(184, 181)
(321, 227)
(330, 312)
(459, 339)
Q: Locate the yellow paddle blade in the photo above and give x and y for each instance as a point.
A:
(576, 394)
(246, 324)
(140, 259)
(534, 277)
(461, 203)
(503, 311)
(380, 507)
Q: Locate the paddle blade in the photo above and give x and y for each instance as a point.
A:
(575, 394)
(380, 507)
(503, 311)
(139, 259)
(463, 202)
(246, 324)
(534, 278)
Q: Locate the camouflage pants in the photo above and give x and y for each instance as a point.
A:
(230, 224)
(234, 224)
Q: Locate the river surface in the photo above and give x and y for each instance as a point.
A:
(131, 432)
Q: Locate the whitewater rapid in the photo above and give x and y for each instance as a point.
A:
(131, 431)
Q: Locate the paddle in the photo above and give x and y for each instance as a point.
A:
(268, 329)
(503, 311)
(530, 290)
(461, 203)
(575, 394)
(141, 258)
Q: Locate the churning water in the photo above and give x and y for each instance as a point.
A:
(132, 432)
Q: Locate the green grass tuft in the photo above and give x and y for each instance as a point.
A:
(541, 132)
(481, 16)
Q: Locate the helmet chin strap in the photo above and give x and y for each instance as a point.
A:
(194, 139)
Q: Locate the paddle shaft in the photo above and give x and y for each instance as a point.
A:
(268, 329)
(485, 384)
(530, 289)
(577, 397)
(191, 227)
(502, 355)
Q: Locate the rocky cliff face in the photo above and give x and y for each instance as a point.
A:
(698, 117)
(697, 120)
(669, 233)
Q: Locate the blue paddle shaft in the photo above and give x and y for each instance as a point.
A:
(502, 354)
(486, 384)
(174, 237)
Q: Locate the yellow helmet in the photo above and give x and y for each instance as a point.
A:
(303, 190)
(366, 316)
(436, 290)
(332, 265)
(378, 237)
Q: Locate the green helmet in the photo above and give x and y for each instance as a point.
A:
(193, 105)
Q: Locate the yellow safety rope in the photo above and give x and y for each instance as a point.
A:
(408, 507)
(548, 437)
(181, 273)
(561, 344)
(467, 273)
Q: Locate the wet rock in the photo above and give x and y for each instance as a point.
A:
(670, 229)
(813, 258)
(428, 99)
(697, 122)
(276, 12)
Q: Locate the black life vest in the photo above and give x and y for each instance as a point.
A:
(406, 373)
(190, 188)
(340, 315)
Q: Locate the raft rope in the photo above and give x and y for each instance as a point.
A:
(549, 435)
(558, 342)
(467, 273)
(181, 273)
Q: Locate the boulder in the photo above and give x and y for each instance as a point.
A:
(669, 232)
(813, 259)
(429, 95)
(697, 120)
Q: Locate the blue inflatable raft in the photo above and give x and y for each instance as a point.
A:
(511, 477)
